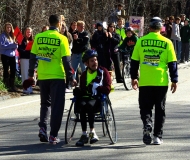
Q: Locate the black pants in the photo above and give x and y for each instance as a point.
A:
(52, 93)
(150, 96)
(101, 57)
(116, 60)
(185, 51)
(8, 62)
(89, 107)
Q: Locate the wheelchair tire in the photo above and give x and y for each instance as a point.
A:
(70, 124)
(126, 76)
(110, 121)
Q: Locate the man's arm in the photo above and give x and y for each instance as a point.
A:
(106, 88)
(68, 68)
(32, 63)
(173, 75)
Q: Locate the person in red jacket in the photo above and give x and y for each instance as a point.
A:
(94, 81)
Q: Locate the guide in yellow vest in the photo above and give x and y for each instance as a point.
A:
(52, 50)
(155, 54)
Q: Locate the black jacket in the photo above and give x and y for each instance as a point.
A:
(82, 43)
(98, 39)
(23, 54)
(111, 44)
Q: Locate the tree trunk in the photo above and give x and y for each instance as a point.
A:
(28, 13)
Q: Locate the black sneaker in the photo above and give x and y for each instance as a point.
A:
(43, 135)
(147, 139)
(83, 140)
(93, 137)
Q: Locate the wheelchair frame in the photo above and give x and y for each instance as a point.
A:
(106, 116)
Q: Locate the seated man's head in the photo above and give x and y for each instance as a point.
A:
(120, 7)
(89, 58)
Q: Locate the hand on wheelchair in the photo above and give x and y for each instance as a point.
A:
(77, 91)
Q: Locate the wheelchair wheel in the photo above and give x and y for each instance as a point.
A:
(70, 124)
(110, 121)
(126, 76)
(104, 129)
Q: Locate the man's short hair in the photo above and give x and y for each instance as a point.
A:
(171, 18)
(54, 20)
(181, 15)
(177, 18)
(80, 22)
(121, 19)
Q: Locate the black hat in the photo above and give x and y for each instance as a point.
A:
(99, 24)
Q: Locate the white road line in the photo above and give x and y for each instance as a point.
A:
(19, 104)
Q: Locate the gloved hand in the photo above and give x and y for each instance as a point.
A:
(94, 86)
(77, 91)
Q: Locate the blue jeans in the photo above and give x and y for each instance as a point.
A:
(177, 47)
(76, 59)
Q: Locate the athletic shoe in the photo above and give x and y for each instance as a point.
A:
(54, 140)
(43, 135)
(147, 139)
(83, 140)
(157, 140)
(93, 137)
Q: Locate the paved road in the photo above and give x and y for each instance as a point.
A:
(19, 118)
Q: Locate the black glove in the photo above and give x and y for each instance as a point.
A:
(77, 92)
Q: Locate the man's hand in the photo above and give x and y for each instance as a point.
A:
(135, 84)
(173, 87)
(73, 83)
(75, 36)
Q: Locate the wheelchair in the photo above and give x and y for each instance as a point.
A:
(105, 116)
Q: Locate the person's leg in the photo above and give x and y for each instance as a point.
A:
(5, 64)
(12, 64)
(84, 137)
(116, 61)
(92, 106)
(146, 105)
(186, 51)
(57, 94)
(83, 68)
(74, 62)
(182, 52)
(44, 109)
(160, 100)
(179, 51)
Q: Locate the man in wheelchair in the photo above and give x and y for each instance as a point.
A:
(94, 81)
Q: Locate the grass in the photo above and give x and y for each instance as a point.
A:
(2, 86)
(18, 83)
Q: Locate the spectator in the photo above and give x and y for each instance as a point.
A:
(169, 27)
(8, 45)
(80, 45)
(73, 28)
(24, 54)
(65, 32)
(120, 29)
(176, 38)
(97, 43)
(111, 51)
(118, 13)
(130, 41)
(185, 36)
(45, 28)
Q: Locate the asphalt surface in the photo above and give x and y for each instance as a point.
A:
(19, 118)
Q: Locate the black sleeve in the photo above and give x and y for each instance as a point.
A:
(32, 63)
(173, 71)
(68, 68)
(134, 69)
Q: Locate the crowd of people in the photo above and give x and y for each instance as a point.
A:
(58, 51)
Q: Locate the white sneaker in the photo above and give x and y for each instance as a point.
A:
(157, 141)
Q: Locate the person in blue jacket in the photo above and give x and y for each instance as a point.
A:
(8, 45)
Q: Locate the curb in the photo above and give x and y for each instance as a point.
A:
(4, 97)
